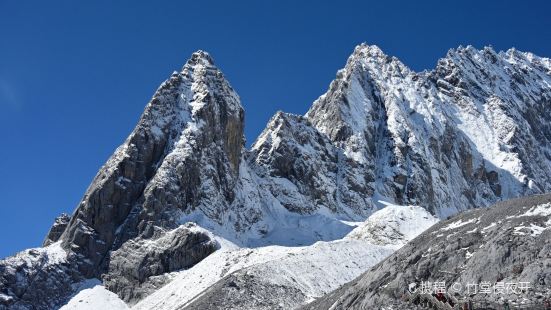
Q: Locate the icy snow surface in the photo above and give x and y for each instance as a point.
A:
(93, 296)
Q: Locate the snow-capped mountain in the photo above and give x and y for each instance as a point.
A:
(183, 187)
(466, 134)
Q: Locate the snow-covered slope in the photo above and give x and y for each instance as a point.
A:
(92, 296)
(301, 276)
(393, 225)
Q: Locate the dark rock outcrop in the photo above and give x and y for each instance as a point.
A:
(134, 266)
(57, 229)
(41, 278)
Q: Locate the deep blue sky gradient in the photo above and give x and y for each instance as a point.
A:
(76, 75)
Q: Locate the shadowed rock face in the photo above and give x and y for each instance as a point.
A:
(57, 229)
(506, 243)
(134, 267)
(292, 149)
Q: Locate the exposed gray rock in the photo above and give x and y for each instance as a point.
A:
(40, 278)
(183, 155)
(291, 148)
(133, 267)
(242, 291)
(57, 229)
(507, 243)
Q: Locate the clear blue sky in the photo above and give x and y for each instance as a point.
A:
(76, 75)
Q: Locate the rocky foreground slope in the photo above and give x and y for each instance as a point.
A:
(471, 132)
(488, 256)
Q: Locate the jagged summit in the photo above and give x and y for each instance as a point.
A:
(399, 123)
(370, 57)
(200, 57)
(369, 53)
(193, 122)
(366, 50)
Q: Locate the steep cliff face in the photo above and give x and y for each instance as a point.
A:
(183, 155)
(57, 229)
(501, 103)
(307, 172)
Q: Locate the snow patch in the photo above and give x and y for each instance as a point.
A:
(93, 296)
(5, 298)
(539, 210)
(533, 230)
(394, 225)
(468, 254)
(458, 224)
(55, 253)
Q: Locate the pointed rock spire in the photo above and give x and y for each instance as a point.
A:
(194, 122)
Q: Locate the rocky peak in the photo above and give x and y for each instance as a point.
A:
(193, 123)
(511, 89)
(280, 126)
(354, 100)
(199, 57)
(370, 54)
(398, 124)
(319, 176)
(285, 141)
(216, 104)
